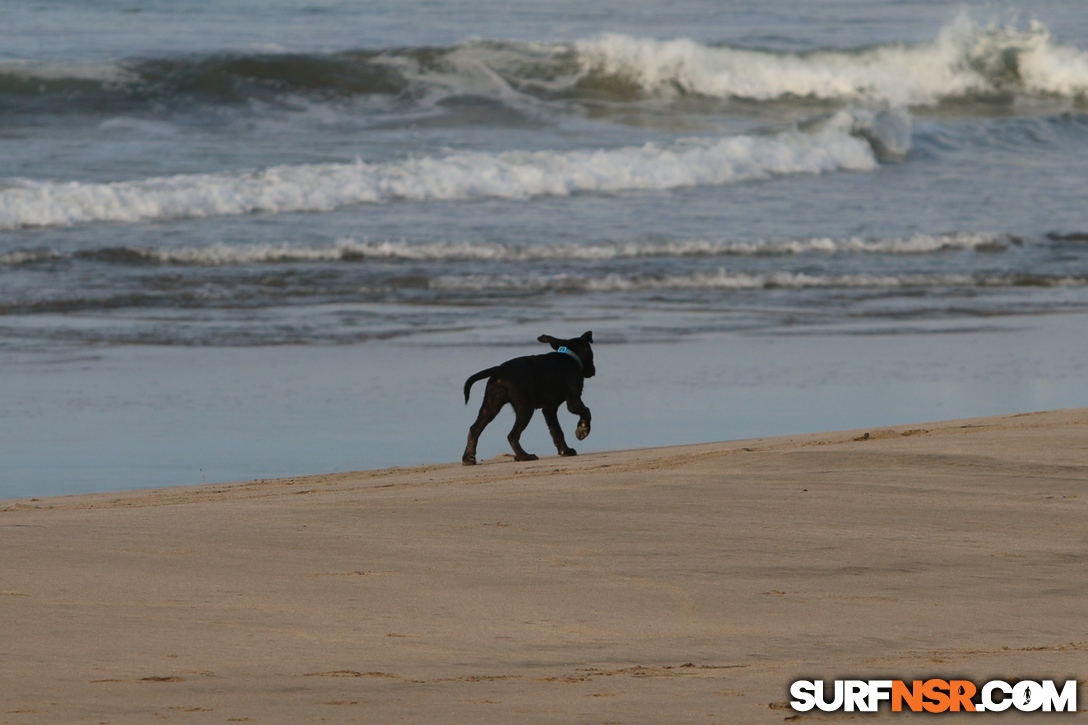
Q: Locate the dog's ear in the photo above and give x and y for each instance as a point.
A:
(551, 341)
(587, 336)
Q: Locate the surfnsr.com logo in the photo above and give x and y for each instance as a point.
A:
(934, 696)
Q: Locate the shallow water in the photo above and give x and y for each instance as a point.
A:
(141, 416)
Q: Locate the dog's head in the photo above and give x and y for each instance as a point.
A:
(580, 346)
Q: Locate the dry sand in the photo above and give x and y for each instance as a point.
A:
(673, 585)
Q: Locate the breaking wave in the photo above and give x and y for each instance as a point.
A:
(351, 250)
(724, 279)
(842, 144)
(966, 60)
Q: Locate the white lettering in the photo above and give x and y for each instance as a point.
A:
(995, 695)
(1027, 696)
(879, 690)
(824, 704)
(856, 695)
(1066, 700)
(804, 693)
(987, 696)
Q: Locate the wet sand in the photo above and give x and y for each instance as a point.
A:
(670, 585)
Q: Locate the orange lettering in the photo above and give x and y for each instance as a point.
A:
(901, 693)
(961, 691)
(932, 690)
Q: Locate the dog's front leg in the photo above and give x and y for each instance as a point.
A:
(576, 406)
(552, 418)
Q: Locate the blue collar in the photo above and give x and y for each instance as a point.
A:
(568, 351)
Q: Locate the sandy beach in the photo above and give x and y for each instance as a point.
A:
(682, 585)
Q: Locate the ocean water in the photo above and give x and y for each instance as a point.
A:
(333, 181)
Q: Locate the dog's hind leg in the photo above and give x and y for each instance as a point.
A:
(524, 415)
(550, 415)
(576, 406)
(493, 402)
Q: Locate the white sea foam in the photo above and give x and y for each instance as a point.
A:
(721, 279)
(966, 59)
(139, 128)
(726, 280)
(350, 250)
(103, 72)
(459, 176)
(12, 259)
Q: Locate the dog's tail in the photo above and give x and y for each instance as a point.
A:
(478, 376)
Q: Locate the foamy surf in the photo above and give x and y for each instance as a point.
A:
(465, 176)
(967, 59)
(350, 251)
(724, 279)
(109, 74)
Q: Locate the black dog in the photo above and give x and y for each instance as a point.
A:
(537, 381)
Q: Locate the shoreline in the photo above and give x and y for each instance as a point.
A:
(485, 470)
(126, 418)
(684, 583)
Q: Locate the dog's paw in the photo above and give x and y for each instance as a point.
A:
(468, 461)
(527, 457)
(582, 431)
(568, 452)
